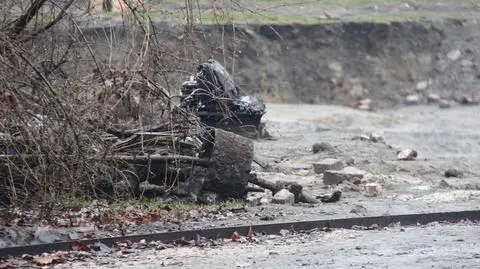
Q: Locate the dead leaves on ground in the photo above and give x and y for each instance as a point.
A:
(250, 237)
(47, 259)
(7, 264)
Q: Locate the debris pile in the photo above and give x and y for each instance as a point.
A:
(125, 136)
(212, 95)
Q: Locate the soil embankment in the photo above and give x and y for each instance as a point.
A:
(333, 63)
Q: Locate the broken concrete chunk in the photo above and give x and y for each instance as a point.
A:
(444, 103)
(372, 189)
(349, 173)
(327, 164)
(361, 137)
(433, 98)
(454, 55)
(266, 198)
(284, 197)
(407, 155)
(422, 85)
(377, 137)
(412, 99)
(365, 104)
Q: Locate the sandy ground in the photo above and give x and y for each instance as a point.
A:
(431, 246)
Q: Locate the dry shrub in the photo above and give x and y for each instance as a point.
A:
(61, 98)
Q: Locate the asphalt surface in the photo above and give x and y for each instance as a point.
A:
(432, 246)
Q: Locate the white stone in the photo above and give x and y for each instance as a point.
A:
(454, 55)
(377, 137)
(372, 189)
(407, 155)
(412, 99)
(433, 98)
(422, 85)
(283, 196)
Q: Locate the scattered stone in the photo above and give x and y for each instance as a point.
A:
(209, 197)
(98, 246)
(349, 161)
(304, 197)
(422, 85)
(454, 55)
(323, 146)
(412, 99)
(266, 198)
(372, 189)
(45, 235)
(444, 185)
(452, 172)
(254, 198)
(471, 99)
(466, 63)
(267, 218)
(444, 104)
(357, 91)
(361, 137)
(349, 173)
(330, 198)
(433, 98)
(284, 197)
(365, 105)
(358, 209)
(349, 186)
(407, 155)
(327, 164)
(377, 137)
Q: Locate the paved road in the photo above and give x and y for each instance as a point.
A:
(435, 246)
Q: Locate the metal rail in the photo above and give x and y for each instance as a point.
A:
(226, 232)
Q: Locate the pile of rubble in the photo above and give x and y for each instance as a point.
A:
(147, 145)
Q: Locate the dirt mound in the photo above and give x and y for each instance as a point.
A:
(334, 63)
(340, 63)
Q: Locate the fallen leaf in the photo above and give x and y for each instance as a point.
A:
(27, 257)
(79, 246)
(124, 244)
(7, 265)
(48, 259)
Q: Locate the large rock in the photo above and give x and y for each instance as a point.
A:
(327, 164)
(284, 197)
(349, 173)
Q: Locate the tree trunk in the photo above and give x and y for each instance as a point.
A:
(231, 157)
